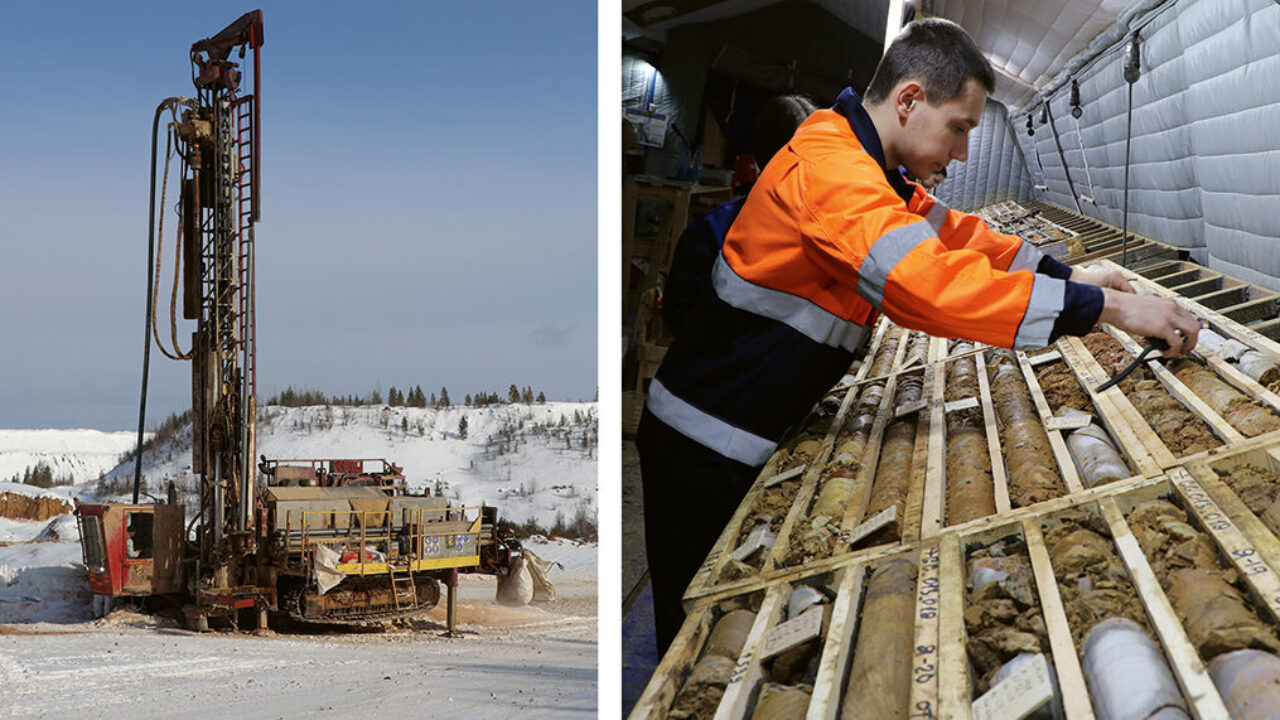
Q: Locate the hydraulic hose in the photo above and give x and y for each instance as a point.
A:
(146, 338)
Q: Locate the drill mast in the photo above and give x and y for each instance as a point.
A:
(219, 207)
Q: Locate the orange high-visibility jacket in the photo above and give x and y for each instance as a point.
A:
(826, 239)
(829, 220)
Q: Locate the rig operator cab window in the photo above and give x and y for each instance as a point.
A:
(140, 529)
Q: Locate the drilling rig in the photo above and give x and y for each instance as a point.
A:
(287, 539)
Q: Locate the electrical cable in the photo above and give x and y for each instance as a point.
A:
(1132, 66)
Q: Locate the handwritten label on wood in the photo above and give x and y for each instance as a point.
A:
(784, 476)
(1241, 551)
(740, 670)
(797, 630)
(1019, 695)
(965, 404)
(874, 523)
(1044, 358)
(924, 661)
(1068, 422)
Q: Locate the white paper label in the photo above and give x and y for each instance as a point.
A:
(964, 404)
(791, 633)
(1068, 422)
(1018, 695)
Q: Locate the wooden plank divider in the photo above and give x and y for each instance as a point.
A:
(748, 671)
(999, 479)
(837, 649)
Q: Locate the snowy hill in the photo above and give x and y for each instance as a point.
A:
(79, 454)
(532, 461)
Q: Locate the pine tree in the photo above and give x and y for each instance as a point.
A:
(462, 427)
(467, 400)
(542, 398)
(393, 396)
(513, 394)
(376, 399)
(444, 397)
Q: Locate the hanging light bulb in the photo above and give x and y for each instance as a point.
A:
(1076, 110)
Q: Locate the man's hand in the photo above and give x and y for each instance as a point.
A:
(1150, 316)
(1113, 279)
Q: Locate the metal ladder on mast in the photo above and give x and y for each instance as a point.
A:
(246, 215)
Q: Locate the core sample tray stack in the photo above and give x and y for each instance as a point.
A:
(964, 531)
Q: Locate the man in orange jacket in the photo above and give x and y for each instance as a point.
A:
(830, 236)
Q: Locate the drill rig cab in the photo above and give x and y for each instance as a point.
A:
(353, 547)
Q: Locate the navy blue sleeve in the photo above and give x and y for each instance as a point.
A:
(688, 288)
(1081, 307)
(1053, 268)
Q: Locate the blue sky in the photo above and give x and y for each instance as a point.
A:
(428, 200)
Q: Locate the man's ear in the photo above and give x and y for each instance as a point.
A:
(908, 94)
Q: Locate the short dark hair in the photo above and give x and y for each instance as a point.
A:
(936, 52)
(779, 117)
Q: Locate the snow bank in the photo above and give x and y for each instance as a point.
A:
(43, 582)
(82, 454)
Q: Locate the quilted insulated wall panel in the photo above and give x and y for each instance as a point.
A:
(995, 170)
(1205, 138)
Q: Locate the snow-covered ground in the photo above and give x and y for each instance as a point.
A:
(536, 661)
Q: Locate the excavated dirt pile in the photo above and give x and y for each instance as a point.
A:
(1180, 430)
(16, 506)
(1091, 578)
(1002, 617)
